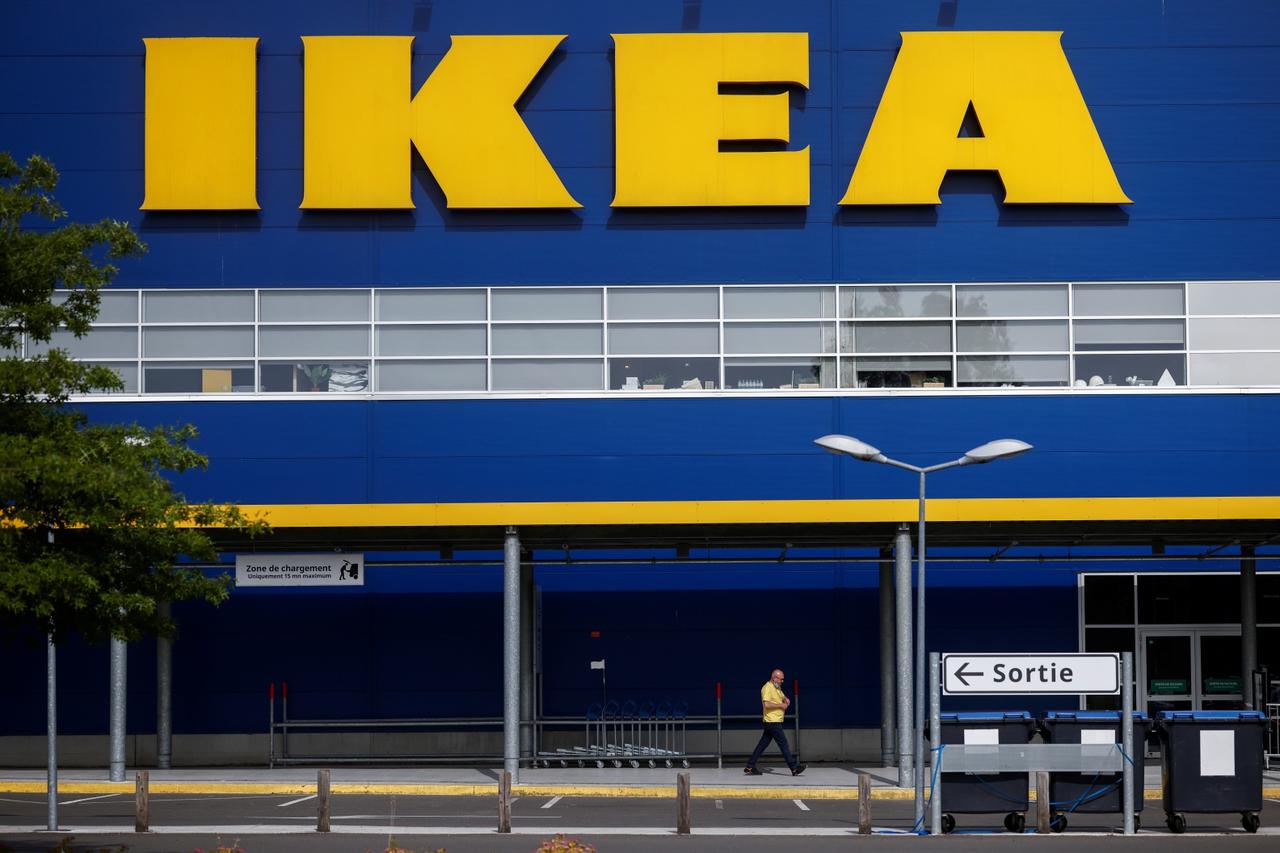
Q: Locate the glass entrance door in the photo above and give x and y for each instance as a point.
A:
(1166, 672)
(1193, 669)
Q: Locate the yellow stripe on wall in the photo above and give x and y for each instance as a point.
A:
(764, 512)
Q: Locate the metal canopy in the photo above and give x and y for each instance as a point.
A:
(995, 535)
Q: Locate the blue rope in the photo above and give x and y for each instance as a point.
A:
(919, 829)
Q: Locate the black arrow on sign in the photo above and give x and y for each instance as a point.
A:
(961, 673)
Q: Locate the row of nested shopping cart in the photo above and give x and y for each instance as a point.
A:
(631, 733)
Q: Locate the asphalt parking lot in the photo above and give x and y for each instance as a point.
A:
(185, 822)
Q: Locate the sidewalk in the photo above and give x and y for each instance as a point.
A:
(820, 781)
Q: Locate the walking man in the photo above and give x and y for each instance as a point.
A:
(775, 705)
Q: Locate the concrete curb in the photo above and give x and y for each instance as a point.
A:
(706, 792)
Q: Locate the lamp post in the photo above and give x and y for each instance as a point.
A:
(1001, 448)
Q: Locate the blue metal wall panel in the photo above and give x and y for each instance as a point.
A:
(1087, 445)
(1185, 85)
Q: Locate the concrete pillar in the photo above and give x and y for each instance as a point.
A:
(526, 658)
(1248, 621)
(164, 694)
(903, 662)
(888, 674)
(119, 682)
(511, 654)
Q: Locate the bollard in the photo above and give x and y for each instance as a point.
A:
(1042, 801)
(864, 803)
(322, 801)
(682, 804)
(504, 801)
(142, 802)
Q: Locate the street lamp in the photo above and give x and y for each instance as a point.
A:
(847, 445)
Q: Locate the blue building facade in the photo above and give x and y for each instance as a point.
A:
(665, 370)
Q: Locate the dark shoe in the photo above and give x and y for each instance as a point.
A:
(798, 769)
(752, 771)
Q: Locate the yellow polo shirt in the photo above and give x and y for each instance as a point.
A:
(769, 693)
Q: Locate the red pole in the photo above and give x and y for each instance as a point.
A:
(271, 725)
(719, 692)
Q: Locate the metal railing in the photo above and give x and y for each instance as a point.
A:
(1273, 733)
(613, 734)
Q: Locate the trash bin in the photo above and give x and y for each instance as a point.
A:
(1093, 792)
(985, 793)
(1212, 763)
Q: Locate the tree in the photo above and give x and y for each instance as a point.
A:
(92, 534)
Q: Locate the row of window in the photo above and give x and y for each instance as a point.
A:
(689, 337)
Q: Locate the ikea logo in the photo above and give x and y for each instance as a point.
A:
(670, 120)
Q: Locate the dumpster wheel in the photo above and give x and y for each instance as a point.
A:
(948, 824)
(1250, 821)
(1058, 822)
(1177, 823)
(1015, 822)
(1137, 822)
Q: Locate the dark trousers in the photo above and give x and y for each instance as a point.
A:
(773, 731)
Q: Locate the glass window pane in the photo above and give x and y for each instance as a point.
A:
(927, 301)
(1233, 297)
(1011, 300)
(1236, 334)
(207, 378)
(900, 372)
(313, 341)
(197, 306)
(429, 340)
(1132, 370)
(660, 338)
(1108, 600)
(1128, 334)
(782, 373)
(312, 376)
(108, 342)
(664, 303)
(772, 303)
(198, 342)
(1128, 300)
(989, 371)
(548, 339)
(1232, 368)
(656, 374)
(547, 303)
(114, 306)
(299, 306)
(1184, 599)
(896, 337)
(441, 304)
(548, 374)
(128, 373)
(431, 375)
(1011, 335)
(779, 337)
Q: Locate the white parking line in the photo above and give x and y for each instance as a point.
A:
(800, 805)
(299, 800)
(87, 799)
(551, 802)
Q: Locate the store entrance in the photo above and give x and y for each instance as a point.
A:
(1189, 669)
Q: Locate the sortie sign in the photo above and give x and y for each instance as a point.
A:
(1043, 674)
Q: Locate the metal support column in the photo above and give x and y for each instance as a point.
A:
(887, 672)
(921, 675)
(51, 725)
(935, 739)
(526, 659)
(902, 608)
(1248, 621)
(164, 694)
(1126, 740)
(119, 679)
(511, 654)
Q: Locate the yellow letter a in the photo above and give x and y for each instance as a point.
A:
(1036, 129)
